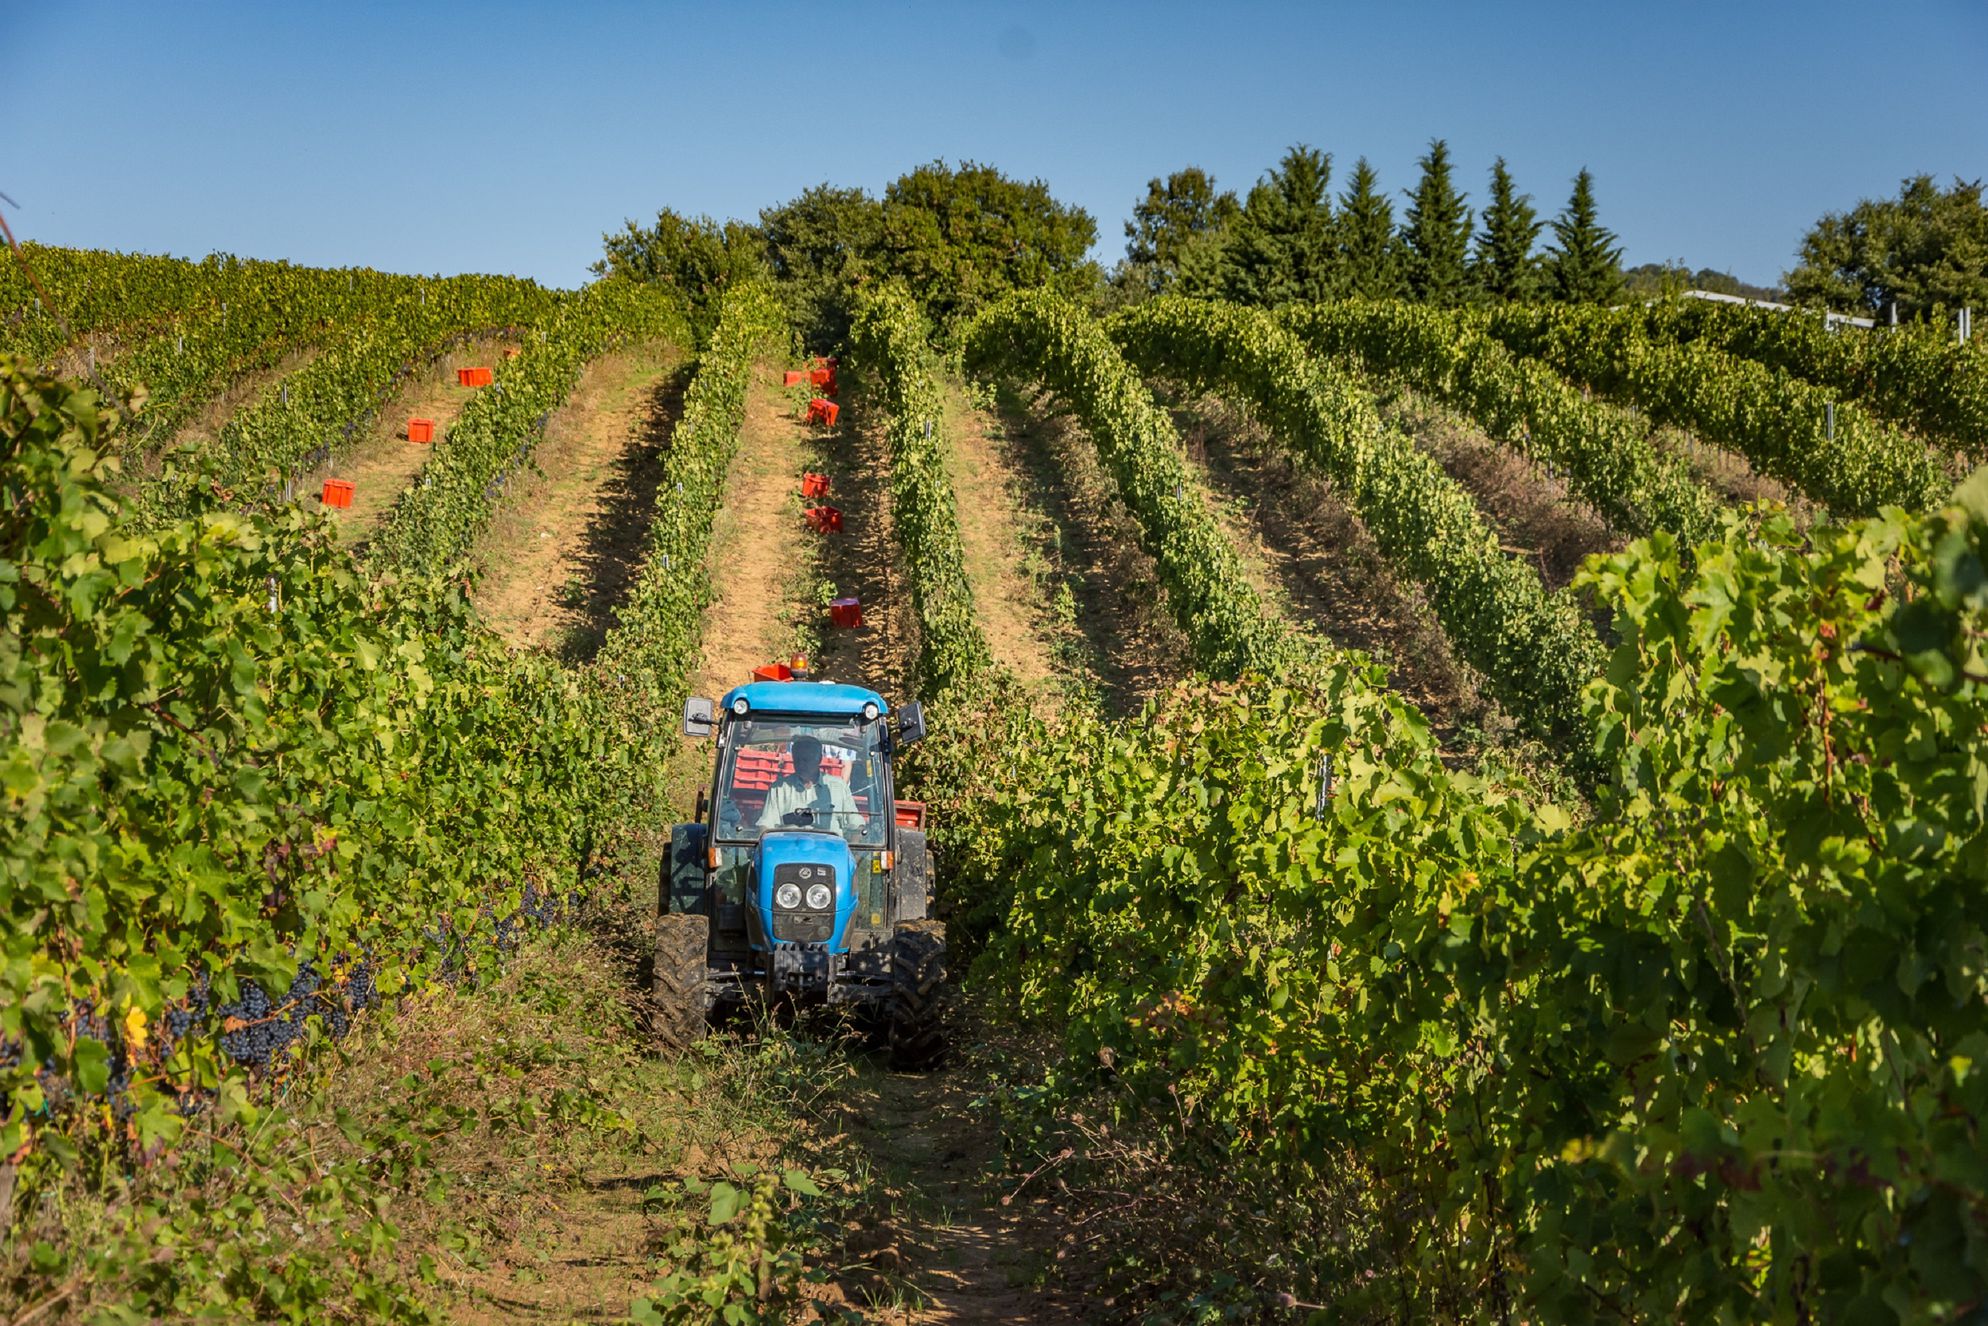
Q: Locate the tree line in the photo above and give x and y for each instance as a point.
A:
(960, 236)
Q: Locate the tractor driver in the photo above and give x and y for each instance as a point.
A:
(809, 789)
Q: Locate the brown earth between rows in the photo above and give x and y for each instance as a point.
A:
(759, 559)
(570, 532)
(1332, 576)
(1535, 515)
(383, 462)
(1108, 627)
(996, 515)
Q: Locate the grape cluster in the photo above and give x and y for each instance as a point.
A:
(256, 1027)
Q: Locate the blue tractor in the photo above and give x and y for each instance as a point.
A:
(804, 878)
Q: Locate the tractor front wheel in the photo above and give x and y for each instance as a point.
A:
(679, 988)
(917, 995)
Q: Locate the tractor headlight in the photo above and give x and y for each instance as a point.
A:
(819, 896)
(740, 706)
(788, 896)
(870, 711)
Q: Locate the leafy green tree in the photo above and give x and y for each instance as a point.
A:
(962, 237)
(1584, 263)
(1370, 263)
(1180, 223)
(1436, 233)
(1925, 251)
(1283, 247)
(697, 257)
(1504, 266)
(1656, 280)
(820, 247)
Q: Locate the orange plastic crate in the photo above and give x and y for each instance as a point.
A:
(825, 519)
(337, 492)
(792, 378)
(910, 814)
(814, 485)
(773, 672)
(845, 613)
(420, 430)
(473, 377)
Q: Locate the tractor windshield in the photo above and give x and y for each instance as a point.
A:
(803, 773)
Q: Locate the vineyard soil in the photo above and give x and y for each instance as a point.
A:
(759, 551)
(1107, 608)
(383, 462)
(568, 534)
(1532, 510)
(861, 561)
(947, 1233)
(1327, 569)
(995, 519)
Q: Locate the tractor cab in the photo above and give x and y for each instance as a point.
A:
(804, 876)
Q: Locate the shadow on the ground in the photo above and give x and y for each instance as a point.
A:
(616, 539)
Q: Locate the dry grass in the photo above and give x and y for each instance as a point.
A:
(759, 545)
(1107, 626)
(569, 533)
(1328, 574)
(995, 510)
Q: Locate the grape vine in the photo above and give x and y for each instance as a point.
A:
(1046, 338)
(1607, 458)
(1833, 452)
(889, 343)
(1534, 649)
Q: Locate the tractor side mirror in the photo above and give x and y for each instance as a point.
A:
(910, 723)
(700, 717)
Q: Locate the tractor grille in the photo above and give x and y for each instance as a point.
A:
(803, 927)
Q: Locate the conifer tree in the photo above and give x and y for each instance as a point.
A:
(1584, 263)
(1369, 254)
(1437, 232)
(1282, 247)
(1504, 266)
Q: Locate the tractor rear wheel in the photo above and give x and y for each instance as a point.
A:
(917, 995)
(680, 992)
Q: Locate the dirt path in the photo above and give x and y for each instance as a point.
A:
(951, 1235)
(1533, 511)
(760, 556)
(862, 561)
(1107, 626)
(567, 539)
(383, 462)
(1329, 573)
(997, 511)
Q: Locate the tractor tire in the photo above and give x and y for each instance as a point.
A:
(917, 995)
(680, 994)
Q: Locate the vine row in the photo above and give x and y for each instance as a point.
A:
(1045, 338)
(652, 650)
(1833, 452)
(1607, 458)
(1917, 376)
(433, 522)
(1535, 650)
(890, 343)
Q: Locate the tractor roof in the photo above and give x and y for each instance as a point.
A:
(827, 698)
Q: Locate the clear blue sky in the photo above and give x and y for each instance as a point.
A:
(506, 137)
